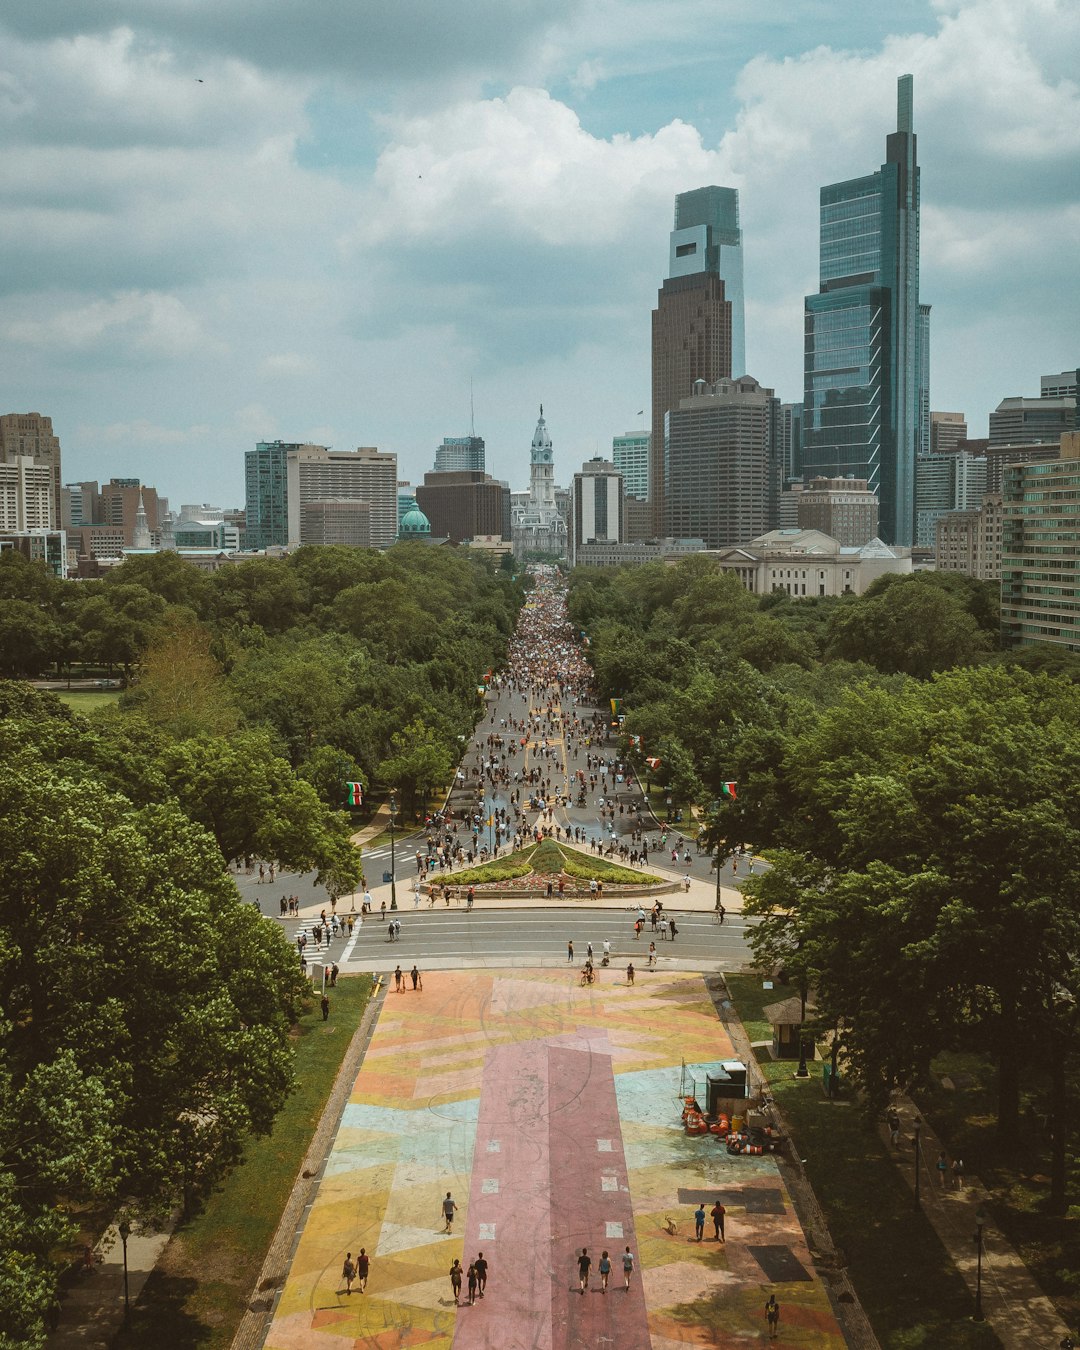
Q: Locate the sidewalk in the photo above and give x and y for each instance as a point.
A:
(1013, 1304)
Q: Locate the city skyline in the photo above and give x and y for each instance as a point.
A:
(221, 233)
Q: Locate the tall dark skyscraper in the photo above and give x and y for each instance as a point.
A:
(697, 325)
(866, 392)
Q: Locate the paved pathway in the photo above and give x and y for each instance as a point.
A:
(552, 1113)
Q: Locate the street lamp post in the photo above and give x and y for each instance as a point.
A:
(980, 1221)
(393, 859)
(918, 1164)
(124, 1229)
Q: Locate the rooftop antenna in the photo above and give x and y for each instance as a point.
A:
(472, 410)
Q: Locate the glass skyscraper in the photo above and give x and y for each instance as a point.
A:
(697, 326)
(866, 390)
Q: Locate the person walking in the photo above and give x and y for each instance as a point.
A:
(958, 1173)
(448, 1209)
(414, 975)
(893, 1122)
(605, 1271)
(627, 1266)
(481, 1273)
(455, 1280)
(397, 978)
(362, 1267)
(584, 1263)
(772, 1316)
(652, 955)
(717, 1215)
(672, 929)
(630, 973)
(470, 1280)
(699, 1221)
(324, 1004)
(942, 1170)
(348, 1272)
(570, 951)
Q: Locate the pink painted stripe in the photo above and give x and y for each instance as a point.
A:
(513, 1115)
(584, 1110)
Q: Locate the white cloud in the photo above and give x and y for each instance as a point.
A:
(146, 324)
(523, 163)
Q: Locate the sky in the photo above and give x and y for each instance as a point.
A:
(352, 221)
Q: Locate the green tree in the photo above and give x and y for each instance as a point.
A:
(417, 764)
(30, 638)
(913, 627)
(181, 687)
(145, 1015)
(253, 804)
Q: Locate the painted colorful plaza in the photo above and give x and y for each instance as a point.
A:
(551, 1113)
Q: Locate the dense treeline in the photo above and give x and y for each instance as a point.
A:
(914, 789)
(144, 1009)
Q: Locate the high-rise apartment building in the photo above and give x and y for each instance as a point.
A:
(843, 508)
(1040, 550)
(720, 463)
(315, 473)
(698, 325)
(26, 494)
(867, 335)
(460, 454)
(597, 514)
(31, 434)
(630, 455)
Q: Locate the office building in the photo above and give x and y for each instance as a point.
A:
(80, 504)
(1040, 550)
(30, 434)
(464, 504)
(317, 474)
(637, 519)
(806, 564)
(1032, 421)
(266, 494)
(460, 454)
(843, 508)
(44, 545)
(721, 480)
(630, 455)
(867, 335)
(406, 500)
(118, 505)
(790, 442)
(597, 512)
(698, 324)
(969, 541)
(947, 430)
(1062, 385)
(956, 481)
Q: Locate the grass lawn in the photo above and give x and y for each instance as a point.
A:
(87, 701)
(904, 1276)
(200, 1290)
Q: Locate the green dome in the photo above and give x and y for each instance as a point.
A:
(414, 522)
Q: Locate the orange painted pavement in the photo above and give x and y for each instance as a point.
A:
(408, 1136)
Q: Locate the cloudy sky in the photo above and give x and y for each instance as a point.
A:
(232, 220)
